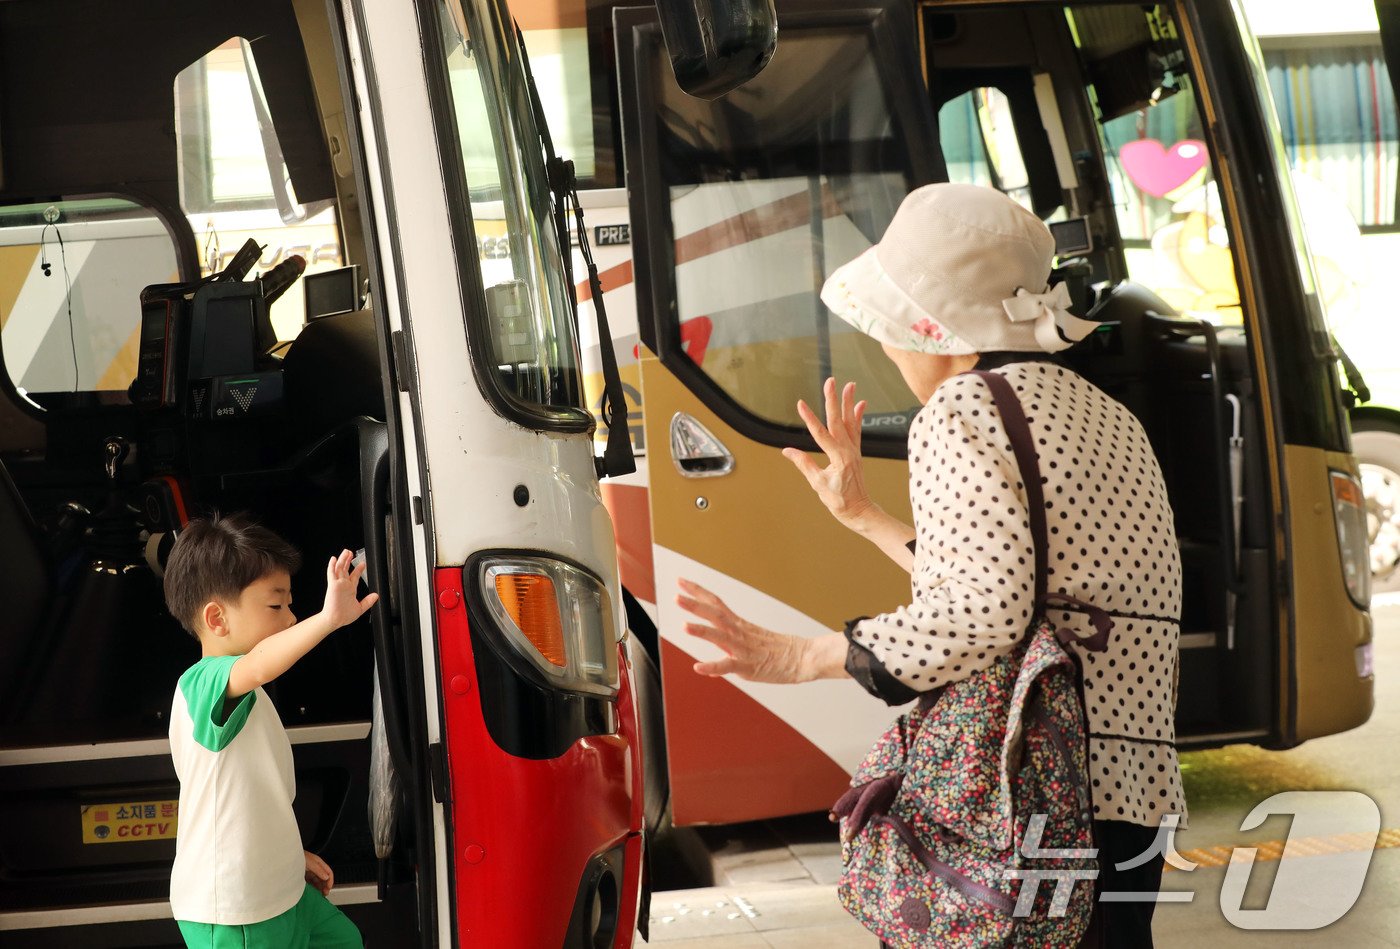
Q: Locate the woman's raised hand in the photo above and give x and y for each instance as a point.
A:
(752, 652)
(841, 484)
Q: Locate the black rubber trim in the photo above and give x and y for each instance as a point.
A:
(1305, 382)
(437, 767)
(535, 417)
(894, 35)
(526, 715)
(418, 789)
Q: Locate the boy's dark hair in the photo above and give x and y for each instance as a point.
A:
(219, 558)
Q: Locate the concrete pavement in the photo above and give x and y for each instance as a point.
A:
(775, 881)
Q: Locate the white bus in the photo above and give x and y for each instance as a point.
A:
(467, 756)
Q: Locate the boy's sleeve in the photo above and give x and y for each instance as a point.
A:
(203, 687)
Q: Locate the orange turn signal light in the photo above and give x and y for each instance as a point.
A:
(530, 602)
(1347, 491)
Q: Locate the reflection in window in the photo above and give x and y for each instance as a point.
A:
(773, 187)
(234, 183)
(1336, 107)
(559, 60)
(527, 303)
(1169, 210)
(978, 137)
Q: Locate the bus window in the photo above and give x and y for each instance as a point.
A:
(71, 275)
(528, 307)
(1336, 108)
(1175, 237)
(980, 145)
(557, 40)
(234, 182)
(819, 185)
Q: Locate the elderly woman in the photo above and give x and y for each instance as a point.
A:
(959, 281)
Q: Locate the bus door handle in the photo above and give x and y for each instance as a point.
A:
(696, 451)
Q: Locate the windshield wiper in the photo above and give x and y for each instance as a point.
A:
(1360, 392)
(617, 457)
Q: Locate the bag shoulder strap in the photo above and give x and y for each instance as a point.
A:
(1027, 459)
(1018, 429)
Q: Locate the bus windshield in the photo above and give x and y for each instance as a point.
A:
(535, 362)
(1306, 270)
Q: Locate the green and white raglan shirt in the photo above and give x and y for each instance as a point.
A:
(238, 856)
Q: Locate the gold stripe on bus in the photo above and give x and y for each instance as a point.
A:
(17, 264)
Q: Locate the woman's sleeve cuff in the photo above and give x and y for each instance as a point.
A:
(866, 668)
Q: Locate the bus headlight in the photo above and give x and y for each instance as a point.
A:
(1349, 513)
(557, 616)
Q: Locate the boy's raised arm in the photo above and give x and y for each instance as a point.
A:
(280, 651)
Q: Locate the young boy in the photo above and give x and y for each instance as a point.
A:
(240, 876)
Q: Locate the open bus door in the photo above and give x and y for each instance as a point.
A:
(1176, 229)
(739, 209)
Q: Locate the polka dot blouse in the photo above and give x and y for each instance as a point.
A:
(1112, 544)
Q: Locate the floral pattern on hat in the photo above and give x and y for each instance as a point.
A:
(909, 329)
(927, 327)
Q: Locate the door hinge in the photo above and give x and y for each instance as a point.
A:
(437, 771)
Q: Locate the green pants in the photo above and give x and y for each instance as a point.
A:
(314, 923)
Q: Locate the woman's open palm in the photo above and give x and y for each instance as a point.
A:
(751, 652)
(841, 484)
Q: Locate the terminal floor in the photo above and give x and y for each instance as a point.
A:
(775, 881)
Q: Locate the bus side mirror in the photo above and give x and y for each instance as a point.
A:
(718, 45)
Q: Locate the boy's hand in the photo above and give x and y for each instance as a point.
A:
(342, 584)
(278, 652)
(318, 873)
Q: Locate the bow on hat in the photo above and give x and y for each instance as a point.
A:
(1056, 328)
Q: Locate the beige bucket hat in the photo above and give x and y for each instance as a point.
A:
(961, 269)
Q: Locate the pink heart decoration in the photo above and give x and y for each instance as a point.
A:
(1158, 170)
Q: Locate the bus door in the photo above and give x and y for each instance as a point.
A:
(155, 396)
(739, 209)
(1104, 119)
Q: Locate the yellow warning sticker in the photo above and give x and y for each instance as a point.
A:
(127, 823)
